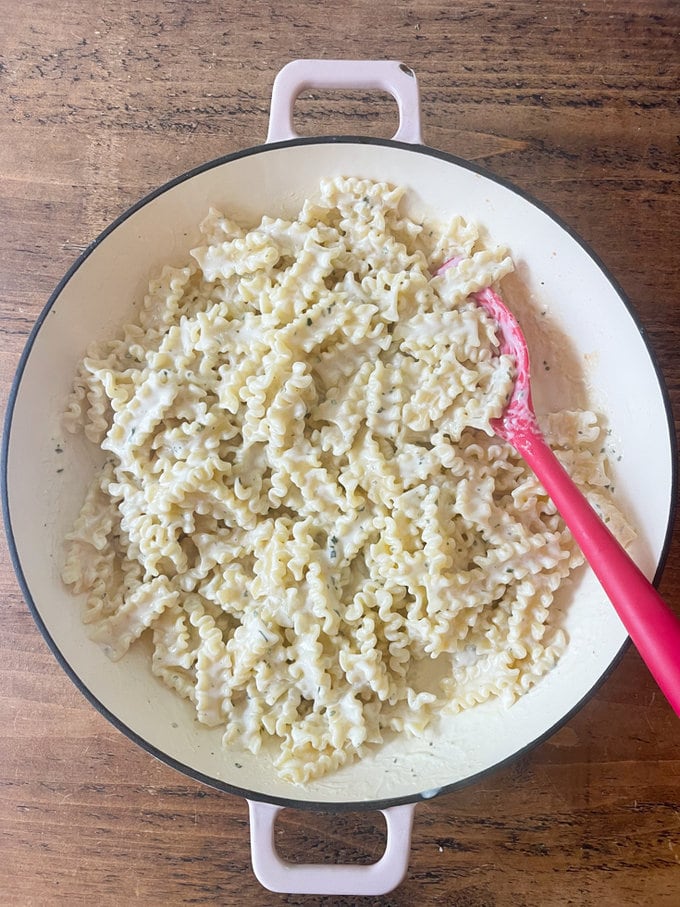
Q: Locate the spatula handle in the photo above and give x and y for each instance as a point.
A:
(653, 627)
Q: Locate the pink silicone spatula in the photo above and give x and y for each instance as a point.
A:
(651, 624)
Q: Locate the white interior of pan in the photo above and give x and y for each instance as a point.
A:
(604, 355)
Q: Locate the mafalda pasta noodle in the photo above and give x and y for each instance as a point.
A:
(302, 501)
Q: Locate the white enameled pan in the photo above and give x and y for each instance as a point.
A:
(603, 356)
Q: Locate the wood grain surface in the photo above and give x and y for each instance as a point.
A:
(576, 102)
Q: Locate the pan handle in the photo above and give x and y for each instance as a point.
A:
(389, 75)
(378, 878)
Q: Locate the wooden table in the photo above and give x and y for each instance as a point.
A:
(576, 102)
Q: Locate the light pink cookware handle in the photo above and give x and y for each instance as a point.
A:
(321, 878)
(387, 75)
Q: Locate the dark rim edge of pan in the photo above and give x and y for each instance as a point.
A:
(292, 802)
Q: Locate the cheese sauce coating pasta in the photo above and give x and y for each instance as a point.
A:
(303, 502)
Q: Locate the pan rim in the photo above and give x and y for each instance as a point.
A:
(189, 771)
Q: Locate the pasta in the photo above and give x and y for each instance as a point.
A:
(302, 502)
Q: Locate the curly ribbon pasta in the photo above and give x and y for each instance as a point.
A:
(303, 501)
